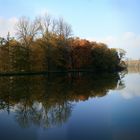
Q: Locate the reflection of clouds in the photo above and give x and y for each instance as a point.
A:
(37, 105)
(132, 88)
(129, 93)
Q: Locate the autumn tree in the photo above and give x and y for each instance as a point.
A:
(26, 32)
(55, 33)
(80, 54)
(47, 24)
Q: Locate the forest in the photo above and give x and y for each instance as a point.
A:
(47, 44)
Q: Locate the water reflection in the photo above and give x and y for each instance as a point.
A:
(131, 88)
(48, 101)
(134, 69)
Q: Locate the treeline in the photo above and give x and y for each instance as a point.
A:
(46, 44)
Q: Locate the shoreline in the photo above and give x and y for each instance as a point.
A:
(56, 72)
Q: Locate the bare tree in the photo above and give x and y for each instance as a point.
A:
(64, 30)
(27, 30)
(48, 25)
(45, 23)
(48, 28)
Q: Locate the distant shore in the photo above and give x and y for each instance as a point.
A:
(133, 63)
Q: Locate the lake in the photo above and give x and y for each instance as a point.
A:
(70, 107)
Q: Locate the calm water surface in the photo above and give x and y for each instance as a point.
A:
(80, 107)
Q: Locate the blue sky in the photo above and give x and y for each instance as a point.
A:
(115, 22)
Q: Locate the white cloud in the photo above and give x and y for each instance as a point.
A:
(128, 35)
(128, 41)
(7, 25)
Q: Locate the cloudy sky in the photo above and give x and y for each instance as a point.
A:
(115, 22)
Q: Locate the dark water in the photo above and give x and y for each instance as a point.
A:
(79, 107)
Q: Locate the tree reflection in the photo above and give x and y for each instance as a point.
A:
(42, 115)
(48, 101)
